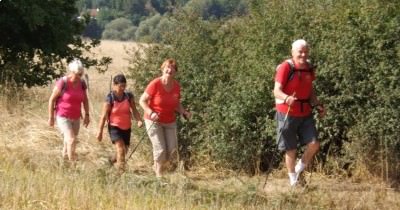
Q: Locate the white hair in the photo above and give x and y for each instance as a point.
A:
(299, 43)
(75, 66)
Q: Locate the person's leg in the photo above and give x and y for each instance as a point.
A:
(121, 152)
(308, 136)
(171, 142)
(64, 150)
(287, 141)
(75, 124)
(67, 129)
(290, 160)
(311, 150)
(156, 134)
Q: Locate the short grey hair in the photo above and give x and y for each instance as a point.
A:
(299, 43)
(75, 66)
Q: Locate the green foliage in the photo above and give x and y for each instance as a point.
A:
(146, 29)
(106, 15)
(227, 69)
(209, 9)
(120, 29)
(35, 38)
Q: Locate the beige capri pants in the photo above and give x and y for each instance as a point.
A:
(164, 139)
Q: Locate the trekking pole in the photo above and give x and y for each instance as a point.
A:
(279, 137)
(140, 141)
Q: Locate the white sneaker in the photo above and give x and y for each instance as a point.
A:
(300, 166)
(292, 179)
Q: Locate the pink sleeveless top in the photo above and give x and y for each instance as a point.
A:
(70, 101)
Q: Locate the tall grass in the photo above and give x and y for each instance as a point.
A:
(33, 175)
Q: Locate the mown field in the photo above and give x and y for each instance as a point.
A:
(33, 175)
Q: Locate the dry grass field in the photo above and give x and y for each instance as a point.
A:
(33, 175)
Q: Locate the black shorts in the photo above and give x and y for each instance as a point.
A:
(119, 134)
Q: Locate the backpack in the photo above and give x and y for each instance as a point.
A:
(293, 69)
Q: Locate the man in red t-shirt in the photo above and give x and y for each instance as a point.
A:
(295, 97)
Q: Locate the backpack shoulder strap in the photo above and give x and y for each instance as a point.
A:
(64, 80)
(128, 95)
(112, 99)
(291, 70)
(111, 94)
(84, 85)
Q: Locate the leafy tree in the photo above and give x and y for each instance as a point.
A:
(36, 38)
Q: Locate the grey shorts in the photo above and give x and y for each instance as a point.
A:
(296, 131)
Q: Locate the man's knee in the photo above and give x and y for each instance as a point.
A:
(314, 145)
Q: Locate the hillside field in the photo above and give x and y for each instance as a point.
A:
(33, 175)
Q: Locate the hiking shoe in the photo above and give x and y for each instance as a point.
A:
(293, 183)
(300, 166)
(292, 179)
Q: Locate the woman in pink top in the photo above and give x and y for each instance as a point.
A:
(160, 101)
(65, 102)
(118, 109)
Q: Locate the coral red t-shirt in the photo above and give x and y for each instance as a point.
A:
(120, 113)
(301, 84)
(162, 101)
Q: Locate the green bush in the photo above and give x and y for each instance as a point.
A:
(227, 69)
(119, 29)
(146, 29)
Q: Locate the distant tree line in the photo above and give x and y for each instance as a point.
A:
(145, 20)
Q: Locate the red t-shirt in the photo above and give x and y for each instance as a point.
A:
(163, 102)
(301, 83)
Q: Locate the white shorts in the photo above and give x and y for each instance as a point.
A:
(67, 125)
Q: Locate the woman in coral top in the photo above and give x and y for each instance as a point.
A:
(160, 101)
(118, 109)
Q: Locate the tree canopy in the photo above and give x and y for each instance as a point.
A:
(37, 38)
